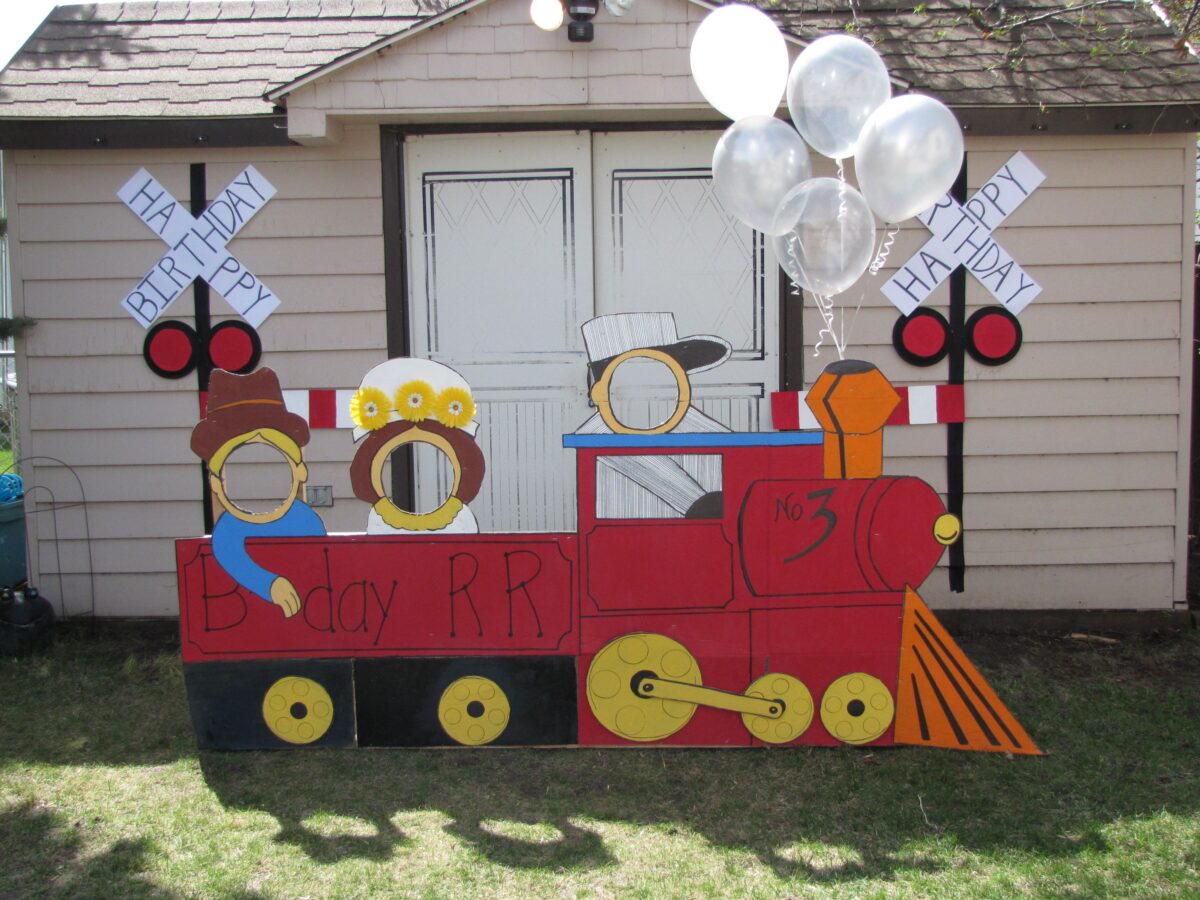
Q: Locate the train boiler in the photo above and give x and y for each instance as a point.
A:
(779, 608)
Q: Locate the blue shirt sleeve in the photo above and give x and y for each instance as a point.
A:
(229, 544)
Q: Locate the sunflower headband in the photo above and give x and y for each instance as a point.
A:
(415, 401)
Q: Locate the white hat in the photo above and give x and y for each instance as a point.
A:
(408, 388)
(607, 337)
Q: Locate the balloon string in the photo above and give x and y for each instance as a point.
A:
(824, 304)
(881, 255)
(885, 248)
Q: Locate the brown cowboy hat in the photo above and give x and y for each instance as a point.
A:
(238, 404)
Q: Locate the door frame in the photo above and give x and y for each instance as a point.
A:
(397, 311)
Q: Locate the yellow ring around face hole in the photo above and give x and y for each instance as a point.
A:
(600, 390)
(403, 518)
(269, 437)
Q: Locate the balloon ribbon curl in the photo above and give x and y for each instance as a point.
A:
(824, 304)
(885, 248)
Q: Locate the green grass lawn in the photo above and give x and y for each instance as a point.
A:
(102, 793)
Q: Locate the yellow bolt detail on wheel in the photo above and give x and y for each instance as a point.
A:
(297, 710)
(857, 708)
(610, 691)
(474, 710)
(797, 708)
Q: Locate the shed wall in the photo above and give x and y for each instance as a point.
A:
(1077, 449)
(490, 60)
(1076, 498)
(90, 399)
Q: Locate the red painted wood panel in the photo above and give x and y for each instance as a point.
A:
(369, 595)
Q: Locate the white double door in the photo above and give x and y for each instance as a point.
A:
(515, 240)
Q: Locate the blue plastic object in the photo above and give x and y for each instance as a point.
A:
(11, 487)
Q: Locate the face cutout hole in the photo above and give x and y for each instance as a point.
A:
(434, 475)
(643, 393)
(258, 477)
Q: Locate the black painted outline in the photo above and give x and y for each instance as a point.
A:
(909, 356)
(255, 345)
(193, 340)
(979, 316)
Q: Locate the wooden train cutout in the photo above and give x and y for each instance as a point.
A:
(779, 609)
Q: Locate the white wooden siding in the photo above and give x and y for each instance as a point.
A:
(491, 58)
(1076, 450)
(91, 401)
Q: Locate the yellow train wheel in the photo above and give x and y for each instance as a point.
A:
(474, 710)
(857, 708)
(797, 708)
(610, 691)
(297, 710)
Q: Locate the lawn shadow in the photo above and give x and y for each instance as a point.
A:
(91, 699)
(828, 815)
(1121, 723)
(44, 854)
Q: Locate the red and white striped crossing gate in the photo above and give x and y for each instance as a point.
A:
(923, 404)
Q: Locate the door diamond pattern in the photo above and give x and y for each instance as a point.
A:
(475, 225)
(670, 223)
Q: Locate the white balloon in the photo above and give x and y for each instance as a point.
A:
(909, 155)
(757, 161)
(740, 62)
(830, 236)
(834, 86)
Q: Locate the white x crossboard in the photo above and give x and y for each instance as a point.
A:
(198, 247)
(962, 235)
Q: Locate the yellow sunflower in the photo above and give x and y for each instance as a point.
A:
(370, 408)
(414, 400)
(454, 407)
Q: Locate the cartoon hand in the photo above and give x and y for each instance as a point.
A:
(285, 596)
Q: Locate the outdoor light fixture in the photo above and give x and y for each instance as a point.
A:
(580, 30)
(548, 15)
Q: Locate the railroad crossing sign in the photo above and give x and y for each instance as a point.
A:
(198, 247)
(962, 235)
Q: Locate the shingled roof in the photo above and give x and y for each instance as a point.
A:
(1027, 52)
(181, 60)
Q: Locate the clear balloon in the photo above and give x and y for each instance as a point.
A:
(829, 237)
(836, 83)
(740, 62)
(909, 155)
(757, 161)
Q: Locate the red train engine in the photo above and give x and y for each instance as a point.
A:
(779, 611)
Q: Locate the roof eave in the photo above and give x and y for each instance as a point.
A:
(144, 133)
(275, 95)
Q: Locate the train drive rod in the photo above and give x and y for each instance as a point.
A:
(661, 689)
